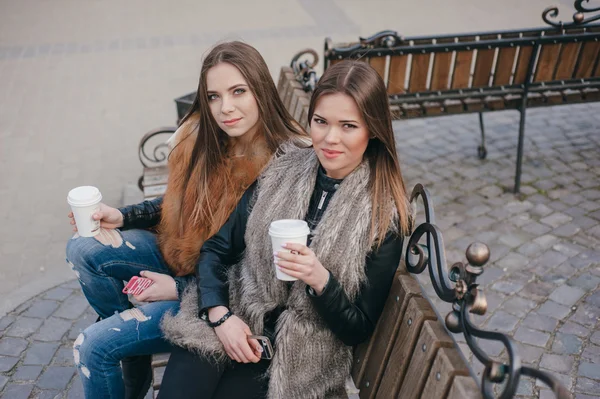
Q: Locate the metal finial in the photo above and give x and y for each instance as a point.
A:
(453, 322)
(478, 254)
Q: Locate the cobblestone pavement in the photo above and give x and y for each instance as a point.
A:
(541, 282)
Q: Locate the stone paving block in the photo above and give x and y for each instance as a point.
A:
(568, 249)
(556, 219)
(589, 370)
(6, 321)
(536, 228)
(532, 337)
(502, 321)
(58, 294)
(56, 377)
(567, 230)
(550, 259)
(567, 344)
(49, 394)
(586, 314)
(585, 281)
(557, 363)
(508, 287)
(53, 329)
(595, 338)
(72, 307)
(3, 381)
(76, 389)
(555, 310)
(41, 309)
(529, 354)
(546, 241)
(24, 327)
(586, 385)
(594, 299)
(540, 322)
(537, 290)
(558, 205)
(64, 355)
(12, 346)
(591, 353)
(575, 329)
(567, 295)
(40, 353)
(525, 387)
(566, 380)
(518, 306)
(27, 373)
(17, 391)
(7, 363)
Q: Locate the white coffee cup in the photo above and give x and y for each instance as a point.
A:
(287, 231)
(84, 201)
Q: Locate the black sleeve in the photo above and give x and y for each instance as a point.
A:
(354, 322)
(143, 215)
(182, 283)
(219, 252)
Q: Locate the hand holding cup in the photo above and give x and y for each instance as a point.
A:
(303, 264)
(109, 217)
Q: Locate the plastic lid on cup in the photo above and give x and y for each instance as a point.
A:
(84, 196)
(289, 228)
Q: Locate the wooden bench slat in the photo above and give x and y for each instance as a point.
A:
(464, 387)
(289, 91)
(505, 62)
(447, 364)
(587, 60)
(567, 59)
(397, 74)
(154, 191)
(284, 74)
(153, 180)
(379, 63)
(366, 357)
(417, 312)
(419, 71)
(462, 66)
(301, 111)
(440, 75)
(433, 337)
(484, 64)
(524, 57)
(547, 62)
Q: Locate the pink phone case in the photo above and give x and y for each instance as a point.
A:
(137, 285)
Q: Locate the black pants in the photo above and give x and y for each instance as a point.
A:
(191, 376)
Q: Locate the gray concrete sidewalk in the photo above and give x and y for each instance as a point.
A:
(83, 81)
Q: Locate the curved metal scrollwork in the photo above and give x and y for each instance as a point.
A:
(304, 70)
(385, 38)
(460, 288)
(156, 156)
(579, 18)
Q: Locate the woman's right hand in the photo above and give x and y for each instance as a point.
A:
(109, 217)
(233, 334)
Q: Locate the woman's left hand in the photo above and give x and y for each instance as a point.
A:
(163, 289)
(303, 264)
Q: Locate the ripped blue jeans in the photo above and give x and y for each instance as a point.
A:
(101, 264)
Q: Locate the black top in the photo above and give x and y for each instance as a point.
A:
(352, 322)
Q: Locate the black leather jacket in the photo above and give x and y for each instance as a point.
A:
(144, 215)
(351, 322)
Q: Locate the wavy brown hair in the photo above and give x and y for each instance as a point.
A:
(276, 125)
(362, 83)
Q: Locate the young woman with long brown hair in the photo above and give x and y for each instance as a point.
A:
(349, 189)
(235, 125)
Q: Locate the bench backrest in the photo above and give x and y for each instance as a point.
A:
(476, 61)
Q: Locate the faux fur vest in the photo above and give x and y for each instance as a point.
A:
(309, 361)
(180, 240)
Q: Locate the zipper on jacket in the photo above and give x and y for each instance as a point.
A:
(322, 201)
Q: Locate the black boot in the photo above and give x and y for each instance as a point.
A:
(137, 376)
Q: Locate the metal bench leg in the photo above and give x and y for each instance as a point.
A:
(481, 150)
(520, 151)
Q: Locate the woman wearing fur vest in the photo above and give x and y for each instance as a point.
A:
(235, 125)
(349, 189)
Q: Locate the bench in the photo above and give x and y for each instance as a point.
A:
(481, 72)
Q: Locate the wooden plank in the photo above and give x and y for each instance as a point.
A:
(567, 60)
(301, 110)
(504, 66)
(464, 387)
(289, 91)
(154, 179)
(440, 74)
(417, 312)
(462, 66)
(154, 191)
(419, 71)
(379, 63)
(484, 64)
(157, 376)
(547, 62)
(433, 337)
(160, 359)
(447, 364)
(397, 74)
(525, 53)
(370, 357)
(282, 77)
(587, 59)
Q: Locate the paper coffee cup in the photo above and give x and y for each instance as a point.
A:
(85, 201)
(284, 231)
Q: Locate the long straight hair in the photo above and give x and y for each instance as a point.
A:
(276, 125)
(363, 84)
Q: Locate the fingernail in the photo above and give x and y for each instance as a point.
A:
(259, 348)
(284, 245)
(275, 253)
